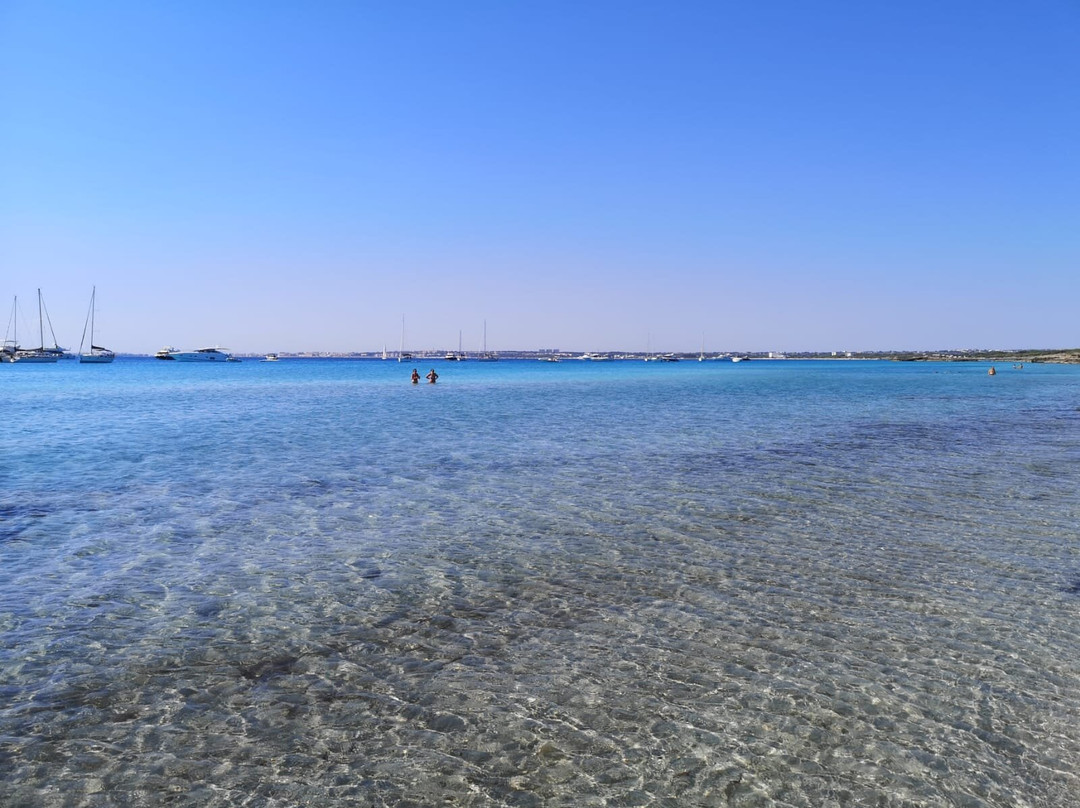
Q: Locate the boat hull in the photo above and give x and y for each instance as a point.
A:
(188, 357)
(36, 358)
(97, 359)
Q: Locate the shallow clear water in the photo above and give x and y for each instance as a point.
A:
(312, 583)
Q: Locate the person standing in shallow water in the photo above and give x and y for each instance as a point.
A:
(415, 376)
(432, 376)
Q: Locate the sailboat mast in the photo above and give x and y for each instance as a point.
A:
(88, 323)
(41, 320)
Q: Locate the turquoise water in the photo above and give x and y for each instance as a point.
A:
(532, 584)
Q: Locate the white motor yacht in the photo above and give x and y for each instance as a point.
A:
(201, 355)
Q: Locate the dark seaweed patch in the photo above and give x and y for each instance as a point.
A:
(269, 669)
(22, 512)
(210, 607)
(14, 519)
(366, 570)
(1072, 587)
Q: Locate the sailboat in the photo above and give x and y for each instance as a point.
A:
(460, 355)
(97, 354)
(402, 355)
(41, 355)
(11, 346)
(484, 355)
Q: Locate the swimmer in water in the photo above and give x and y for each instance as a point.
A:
(415, 376)
(432, 376)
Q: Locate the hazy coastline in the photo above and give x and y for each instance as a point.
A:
(1065, 356)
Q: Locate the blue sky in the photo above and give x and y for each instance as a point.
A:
(588, 175)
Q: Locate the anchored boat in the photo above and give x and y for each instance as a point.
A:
(97, 354)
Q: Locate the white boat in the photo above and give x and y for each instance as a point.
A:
(403, 355)
(485, 355)
(165, 353)
(97, 354)
(270, 357)
(202, 355)
(455, 357)
(36, 356)
(460, 356)
(11, 345)
(42, 355)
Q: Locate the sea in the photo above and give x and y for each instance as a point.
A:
(312, 583)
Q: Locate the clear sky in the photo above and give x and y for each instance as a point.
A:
(280, 175)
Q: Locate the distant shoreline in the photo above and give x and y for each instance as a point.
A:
(1062, 356)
